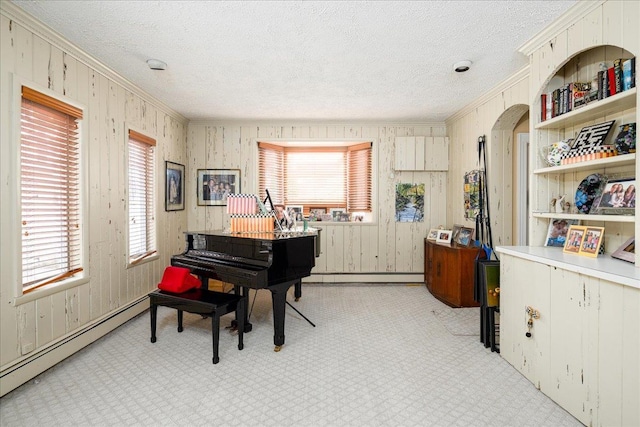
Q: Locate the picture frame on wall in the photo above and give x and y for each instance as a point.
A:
(215, 185)
(627, 251)
(174, 186)
(444, 236)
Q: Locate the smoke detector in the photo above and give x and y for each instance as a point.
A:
(156, 64)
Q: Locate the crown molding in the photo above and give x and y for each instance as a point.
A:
(13, 12)
(298, 123)
(517, 77)
(564, 21)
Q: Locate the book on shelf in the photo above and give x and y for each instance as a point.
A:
(611, 80)
(617, 74)
(628, 73)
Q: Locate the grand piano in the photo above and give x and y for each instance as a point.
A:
(275, 261)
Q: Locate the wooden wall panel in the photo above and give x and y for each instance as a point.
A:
(385, 246)
(32, 323)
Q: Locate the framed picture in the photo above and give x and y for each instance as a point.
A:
(618, 197)
(336, 212)
(455, 231)
(627, 251)
(433, 234)
(557, 233)
(465, 236)
(593, 237)
(343, 217)
(295, 212)
(575, 234)
(215, 185)
(444, 236)
(174, 186)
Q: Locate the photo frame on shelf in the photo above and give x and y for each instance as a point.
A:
(335, 213)
(444, 236)
(433, 234)
(618, 198)
(465, 236)
(174, 186)
(627, 251)
(215, 185)
(455, 231)
(295, 212)
(625, 140)
(575, 235)
(591, 241)
(557, 232)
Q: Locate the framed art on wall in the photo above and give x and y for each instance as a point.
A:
(174, 186)
(215, 185)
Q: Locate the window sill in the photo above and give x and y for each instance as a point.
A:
(144, 261)
(51, 289)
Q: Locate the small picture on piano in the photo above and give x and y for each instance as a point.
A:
(215, 186)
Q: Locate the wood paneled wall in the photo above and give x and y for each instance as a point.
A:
(366, 251)
(29, 325)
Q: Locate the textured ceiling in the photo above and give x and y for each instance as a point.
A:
(305, 60)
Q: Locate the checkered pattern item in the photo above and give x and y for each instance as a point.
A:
(591, 153)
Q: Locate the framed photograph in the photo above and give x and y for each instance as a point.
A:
(215, 185)
(343, 217)
(295, 212)
(593, 237)
(174, 186)
(627, 251)
(455, 231)
(336, 212)
(465, 236)
(444, 236)
(618, 197)
(557, 233)
(433, 234)
(575, 234)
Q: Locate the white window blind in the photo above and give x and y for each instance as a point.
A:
(49, 189)
(323, 176)
(142, 221)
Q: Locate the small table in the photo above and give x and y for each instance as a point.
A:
(203, 302)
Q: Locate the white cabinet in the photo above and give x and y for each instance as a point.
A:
(421, 153)
(584, 350)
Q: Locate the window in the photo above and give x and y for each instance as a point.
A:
(49, 190)
(142, 196)
(314, 176)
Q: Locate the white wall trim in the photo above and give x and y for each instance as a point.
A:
(297, 123)
(22, 370)
(13, 12)
(517, 77)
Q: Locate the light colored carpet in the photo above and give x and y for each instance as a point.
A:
(378, 357)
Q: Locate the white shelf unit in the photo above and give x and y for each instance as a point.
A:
(550, 182)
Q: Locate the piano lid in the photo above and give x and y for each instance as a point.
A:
(276, 235)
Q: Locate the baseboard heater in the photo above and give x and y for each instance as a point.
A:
(32, 365)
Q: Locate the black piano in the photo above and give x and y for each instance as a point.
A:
(275, 261)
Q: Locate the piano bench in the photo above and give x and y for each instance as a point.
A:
(203, 302)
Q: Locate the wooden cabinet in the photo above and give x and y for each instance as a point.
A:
(448, 272)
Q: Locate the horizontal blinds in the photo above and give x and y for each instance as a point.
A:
(142, 239)
(317, 178)
(49, 190)
(359, 181)
(271, 172)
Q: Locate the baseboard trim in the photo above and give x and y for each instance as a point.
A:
(33, 365)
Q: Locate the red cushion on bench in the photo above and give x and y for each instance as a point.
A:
(178, 280)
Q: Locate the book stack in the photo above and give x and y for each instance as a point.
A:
(607, 82)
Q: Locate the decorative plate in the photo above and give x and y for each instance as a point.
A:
(589, 189)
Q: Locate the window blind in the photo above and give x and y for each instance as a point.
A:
(337, 176)
(142, 221)
(49, 189)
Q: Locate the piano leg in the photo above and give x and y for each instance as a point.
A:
(154, 316)
(244, 291)
(297, 291)
(279, 299)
